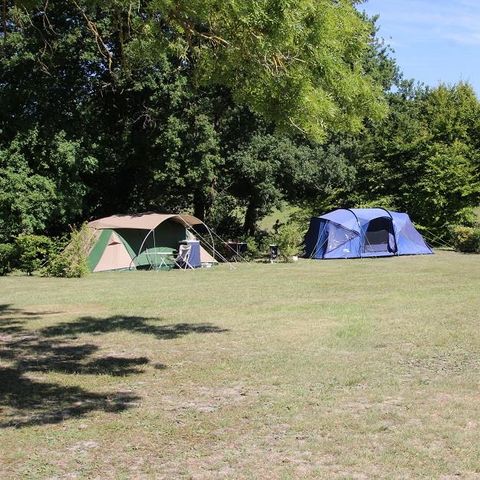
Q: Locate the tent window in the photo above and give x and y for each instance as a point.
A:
(338, 236)
(379, 236)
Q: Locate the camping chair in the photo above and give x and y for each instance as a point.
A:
(183, 258)
(273, 252)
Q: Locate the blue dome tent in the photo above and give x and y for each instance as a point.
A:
(363, 232)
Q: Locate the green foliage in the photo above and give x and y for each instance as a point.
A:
(32, 252)
(6, 258)
(301, 64)
(218, 108)
(269, 169)
(26, 198)
(40, 183)
(447, 185)
(288, 239)
(253, 248)
(225, 216)
(178, 106)
(71, 262)
(466, 239)
(423, 159)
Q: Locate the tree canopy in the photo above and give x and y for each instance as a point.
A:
(298, 63)
(225, 109)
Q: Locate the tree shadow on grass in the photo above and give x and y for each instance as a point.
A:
(25, 401)
(32, 354)
(30, 351)
(12, 319)
(97, 326)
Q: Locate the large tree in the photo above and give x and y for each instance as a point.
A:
(268, 169)
(300, 63)
(124, 106)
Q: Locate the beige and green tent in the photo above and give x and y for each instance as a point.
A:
(122, 242)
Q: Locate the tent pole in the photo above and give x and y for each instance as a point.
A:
(433, 237)
(143, 243)
(359, 229)
(208, 230)
(220, 256)
(154, 248)
(221, 240)
(229, 247)
(211, 238)
(211, 232)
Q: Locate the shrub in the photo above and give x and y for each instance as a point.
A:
(288, 239)
(252, 248)
(466, 239)
(71, 261)
(257, 246)
(6, 258)
(31, 252)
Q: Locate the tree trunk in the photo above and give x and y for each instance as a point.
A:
(250, 224)
(199, 206)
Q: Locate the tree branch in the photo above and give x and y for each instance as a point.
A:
(101, 45)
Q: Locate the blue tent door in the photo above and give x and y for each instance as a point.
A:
(316, 238)
(379, 237)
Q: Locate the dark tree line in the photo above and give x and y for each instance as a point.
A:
(120, 106)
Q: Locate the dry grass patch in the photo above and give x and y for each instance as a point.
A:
(345, 369)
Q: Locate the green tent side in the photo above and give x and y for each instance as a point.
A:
(97, 250)
(164, 238)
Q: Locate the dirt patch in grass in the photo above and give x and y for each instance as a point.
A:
(207, 399)
(442, 363)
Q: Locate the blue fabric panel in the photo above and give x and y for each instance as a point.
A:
(343, 217)
(195, 254)
(399, 219)
(194, 259)
(409, 240)
(350, 249)
(315, 238)
(338, 237)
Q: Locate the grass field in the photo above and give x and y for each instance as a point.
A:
(335, 369)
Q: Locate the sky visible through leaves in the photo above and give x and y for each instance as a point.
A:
(434, 40)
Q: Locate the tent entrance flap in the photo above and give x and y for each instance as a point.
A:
(379, 236)
(338, 237)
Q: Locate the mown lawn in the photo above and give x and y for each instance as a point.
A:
(336, 369)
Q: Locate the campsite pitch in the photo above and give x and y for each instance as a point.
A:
(318, 369)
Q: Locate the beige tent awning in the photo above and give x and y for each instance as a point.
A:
(142, 221)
